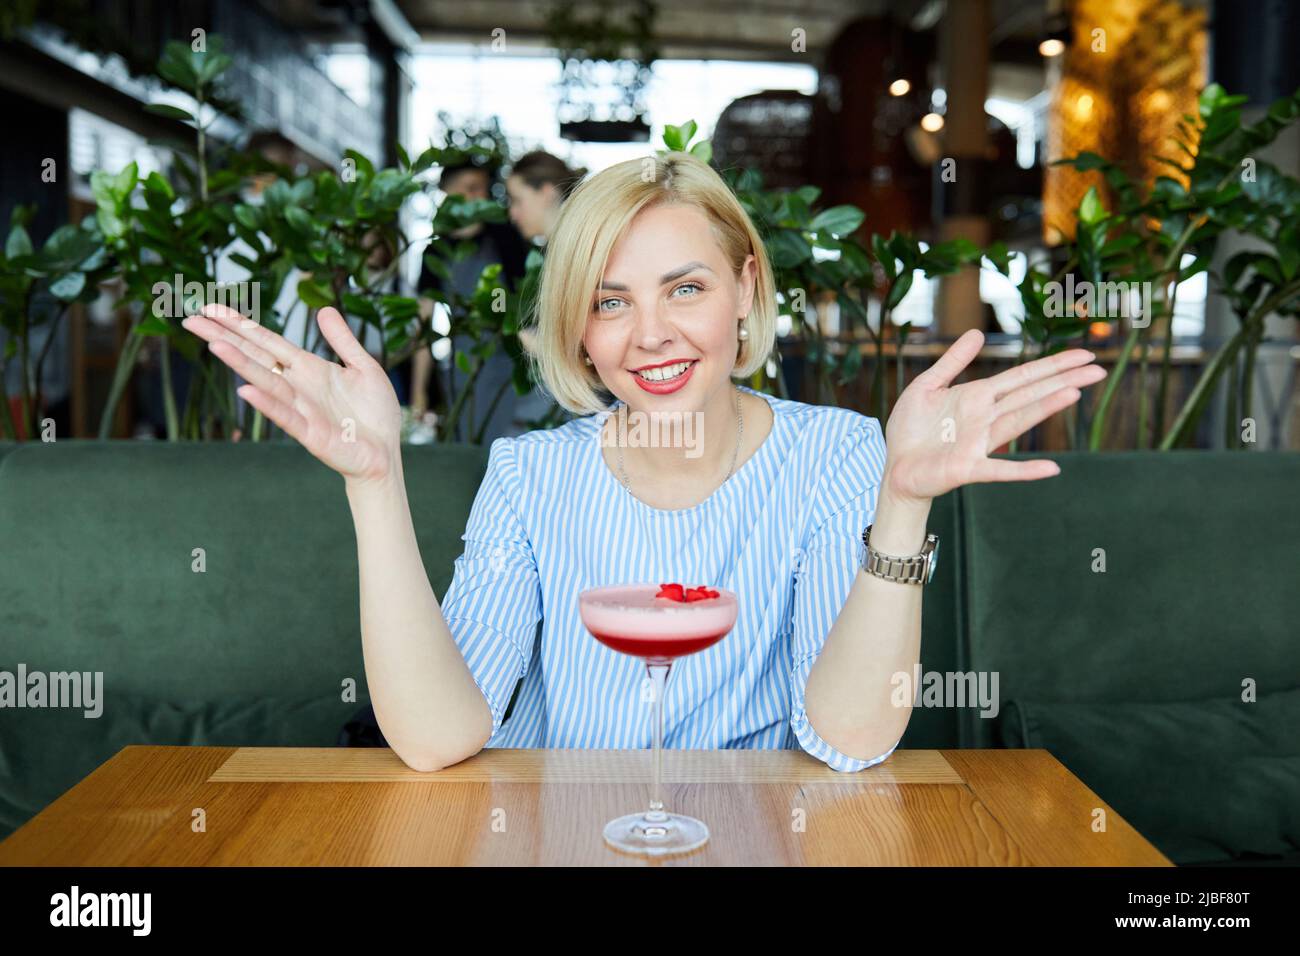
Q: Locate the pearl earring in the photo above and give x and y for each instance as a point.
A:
(744, 332)
(587, 359)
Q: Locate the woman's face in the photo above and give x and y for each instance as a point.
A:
(668, 295)
(529, 207)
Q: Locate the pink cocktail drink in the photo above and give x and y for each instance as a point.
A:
(632, 620)
(657, 623)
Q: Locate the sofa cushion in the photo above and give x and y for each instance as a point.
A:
(1197, 592)
(45, 751)
(1205, 780)
(202, 570)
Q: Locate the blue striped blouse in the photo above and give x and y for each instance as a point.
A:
(551, 519)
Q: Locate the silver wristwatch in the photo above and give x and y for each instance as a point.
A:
(915, 569)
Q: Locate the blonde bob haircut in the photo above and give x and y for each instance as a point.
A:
(590, 224)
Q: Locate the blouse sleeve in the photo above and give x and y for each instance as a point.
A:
(494, 602)
(826, 571)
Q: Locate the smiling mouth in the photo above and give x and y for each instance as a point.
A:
(666, 373)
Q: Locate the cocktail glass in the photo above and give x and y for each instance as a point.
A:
(631, 620)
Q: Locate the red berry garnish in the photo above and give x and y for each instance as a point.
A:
(675, 592)
(671, 591)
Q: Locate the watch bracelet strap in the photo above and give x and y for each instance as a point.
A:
(905, 570)
(909, 569)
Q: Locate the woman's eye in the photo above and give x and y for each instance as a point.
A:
(694, 286)
(606, 305)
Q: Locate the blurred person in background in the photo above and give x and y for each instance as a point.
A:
(537, 186)
(493, 243)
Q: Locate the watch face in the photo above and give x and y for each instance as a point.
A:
(934, 561)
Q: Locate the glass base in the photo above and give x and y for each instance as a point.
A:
(656, 835)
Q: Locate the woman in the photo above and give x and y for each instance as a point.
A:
(653, 262)
(537, 186)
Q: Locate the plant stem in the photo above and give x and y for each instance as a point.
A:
(28, 413)
(121, 376)
(1248, 377)
(169, 400)
(1166, 366)
(453, 414)
(478, 437)
(1229, 419)
(45, 350)
(1200, 392)
(878, 376)
(7, 413)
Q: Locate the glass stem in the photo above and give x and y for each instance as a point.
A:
(659, 674)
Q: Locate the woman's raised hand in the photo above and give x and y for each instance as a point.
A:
(346, 415)
(940, 435)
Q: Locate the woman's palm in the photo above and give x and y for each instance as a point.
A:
(345, 415)
(940, 435)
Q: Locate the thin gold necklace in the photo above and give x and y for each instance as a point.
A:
(740, 430)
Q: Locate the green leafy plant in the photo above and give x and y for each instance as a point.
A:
(1221, 187)
(157, 233)
(37, 286)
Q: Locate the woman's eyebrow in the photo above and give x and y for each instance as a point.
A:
(663, 279)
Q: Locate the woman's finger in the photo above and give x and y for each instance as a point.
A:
(951, 362)
(285, 352)
(1080, 377)
(262, 377)
(1013, 378)
(216, 332)
(1014, 424)
(342, 340)
(1002, 469)
(282, 413)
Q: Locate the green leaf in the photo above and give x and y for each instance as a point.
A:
(248, 216)
(673, 138)
(176, 66)
(314, 294)
(124, 182)
(703, 151)
(898, 290)
(1000, 256)
(809, 194)
(212, 66)
(1083, 162)
(171, 112)
(109, 224)
(18, 243)
(298, 218)
(360, 306)
(158, 185)
(425, 160)
(788, 249)
(365, 168)
(687, 130)
(884, 255)
(1288, 249)
(838, 220)
(1091, 211)
(68, 286)
(153, 325)
(854, 260)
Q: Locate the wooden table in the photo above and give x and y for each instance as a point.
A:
(222, 806)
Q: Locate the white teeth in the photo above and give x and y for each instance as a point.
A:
(664, 373)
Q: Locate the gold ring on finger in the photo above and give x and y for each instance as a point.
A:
(277, 368)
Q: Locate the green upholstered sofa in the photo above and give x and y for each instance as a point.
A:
(215, 587)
